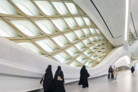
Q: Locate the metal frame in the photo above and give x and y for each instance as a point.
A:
(25, 38)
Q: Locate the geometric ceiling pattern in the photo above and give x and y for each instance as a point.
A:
(56, 29)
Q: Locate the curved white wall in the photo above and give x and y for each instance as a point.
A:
(123, 61)
(21, 69)
(115, 21)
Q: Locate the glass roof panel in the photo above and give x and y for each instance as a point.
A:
(61, 40)
(79, 33)
(26, 27)
(92, 39)
(93, 48)
(79, 21)
(80, 46)
(27, 7)
(60, 24)
(99, 58)
(55, 28)
(71, 36)
(86, 31)
(88, 52)
(30, 46)
(82, 58)
(98, 32)
(47, 45)
(60, 8)
(87, 42)
(6, 30)
(97, 38)
(46, 26)
(62, 57)
(46, 7)
(72, 51)
(75, 64)
(93, 31)
(89, 63)
(94, 57)
(6, 7)
(71, 22)
(72, 8)
(87, 21)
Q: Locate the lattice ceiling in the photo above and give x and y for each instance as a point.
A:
(54, 28)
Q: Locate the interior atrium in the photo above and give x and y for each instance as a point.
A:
(69, 33)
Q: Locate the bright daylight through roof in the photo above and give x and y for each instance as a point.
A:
(56, 29)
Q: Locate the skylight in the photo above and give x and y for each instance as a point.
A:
(27, 7)
(46, 26)
(79, 21)
(71, 22)
(57, 29)
(62, 57)
(6, 7)
(71, 36)
(87, 21)
(60, 24)
(30, 46)
(61, 40)
(72, 51)
(6, 30)
(79, 33)
(60, 8)
(26, 27)
(72, 8)
(46, 7)
(47, 45)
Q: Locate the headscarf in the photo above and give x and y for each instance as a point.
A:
(58, 73)
(110, 69)
(49, 68)
(59, 68)
(48, 76)
(84, 73)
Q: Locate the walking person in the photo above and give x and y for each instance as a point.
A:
(132, 69)
(59, 80)
(110, 73)
(84, 77)
(47, 79)
(115, 73)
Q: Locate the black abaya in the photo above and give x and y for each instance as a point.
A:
(48, 80)
(132, 69)
(59, 84)
(84, 77)
(110, 73)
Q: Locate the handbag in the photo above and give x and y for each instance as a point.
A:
(59, 77)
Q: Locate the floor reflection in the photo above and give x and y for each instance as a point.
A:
(125, 82)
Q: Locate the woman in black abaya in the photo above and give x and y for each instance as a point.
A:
(59, 81)
(84, 77)
(110, 73)
(47, 80)
(132, 69)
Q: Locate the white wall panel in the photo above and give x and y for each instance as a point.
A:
(21, 70)
(113, 13)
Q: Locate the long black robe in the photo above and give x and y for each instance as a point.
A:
(84, 77)
(132, 69)
(48, 80)
(110, 73)
(59, 85)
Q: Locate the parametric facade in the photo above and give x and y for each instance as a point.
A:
(54, 28)
(38, 33)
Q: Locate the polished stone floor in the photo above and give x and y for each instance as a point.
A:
(125, 82)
